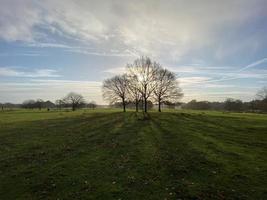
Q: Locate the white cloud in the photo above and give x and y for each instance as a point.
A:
(115, 70)
(219, 86)
(185, 81)
(26, 53)
(246, 94)
(169, 30)
(12, 72)
(17, 20)
(199, 69)
(151, 27)
(219, 74)
(49, 89)
(65, 82)
(97, 53)
(53, 45)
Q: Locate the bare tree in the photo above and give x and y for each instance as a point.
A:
(74, 99)
(262, 96)
(134, 91)
(92, 104)
(233, 104)
(29, 104)
(144, 71)
(115, 89)
(167, 88)
(39, 103)
(59, 103)
(262, 93)
(144, 81)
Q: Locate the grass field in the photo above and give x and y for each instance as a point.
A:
(107, 154)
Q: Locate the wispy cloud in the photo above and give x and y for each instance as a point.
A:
(49, 45)
(221, 74)
(49, 89)
(185, 81)
(98, 53)
(219, 86)
(97, 35)
(86, 50)
(12, 72)
(26, 53)
(246, 95)
(115, 70)
(169, 30)
(238, 74)
(65, 82)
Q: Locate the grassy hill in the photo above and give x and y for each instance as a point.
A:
(106, 154)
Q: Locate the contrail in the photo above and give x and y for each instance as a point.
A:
(253, 64)
(225, 78)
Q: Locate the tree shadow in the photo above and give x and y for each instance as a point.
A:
(187, 168)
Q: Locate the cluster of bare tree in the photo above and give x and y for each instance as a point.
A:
(39, 104)
(9, 106)
(73, 100)
(143, 81)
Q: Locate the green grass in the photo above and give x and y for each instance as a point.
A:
(107, 154)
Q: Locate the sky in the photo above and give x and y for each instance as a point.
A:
(218, 49)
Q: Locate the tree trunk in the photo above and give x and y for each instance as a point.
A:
(73, 107)
(145, 98)
(136, 105)
(159, 105)
(124, 106)
(145, 104)
(142, 104)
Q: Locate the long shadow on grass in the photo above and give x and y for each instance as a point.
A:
(111, 164)
(35, 151)
(84, 157)
(232, 132)
(204, 177)
(107, 156)
(187, 170)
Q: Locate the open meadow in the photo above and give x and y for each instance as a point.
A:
(107, 154)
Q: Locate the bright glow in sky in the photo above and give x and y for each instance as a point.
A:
(48, 48)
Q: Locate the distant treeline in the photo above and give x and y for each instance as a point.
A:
(229, 104)
(41, 104)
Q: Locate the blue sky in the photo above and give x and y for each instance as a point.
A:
(48, 48)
